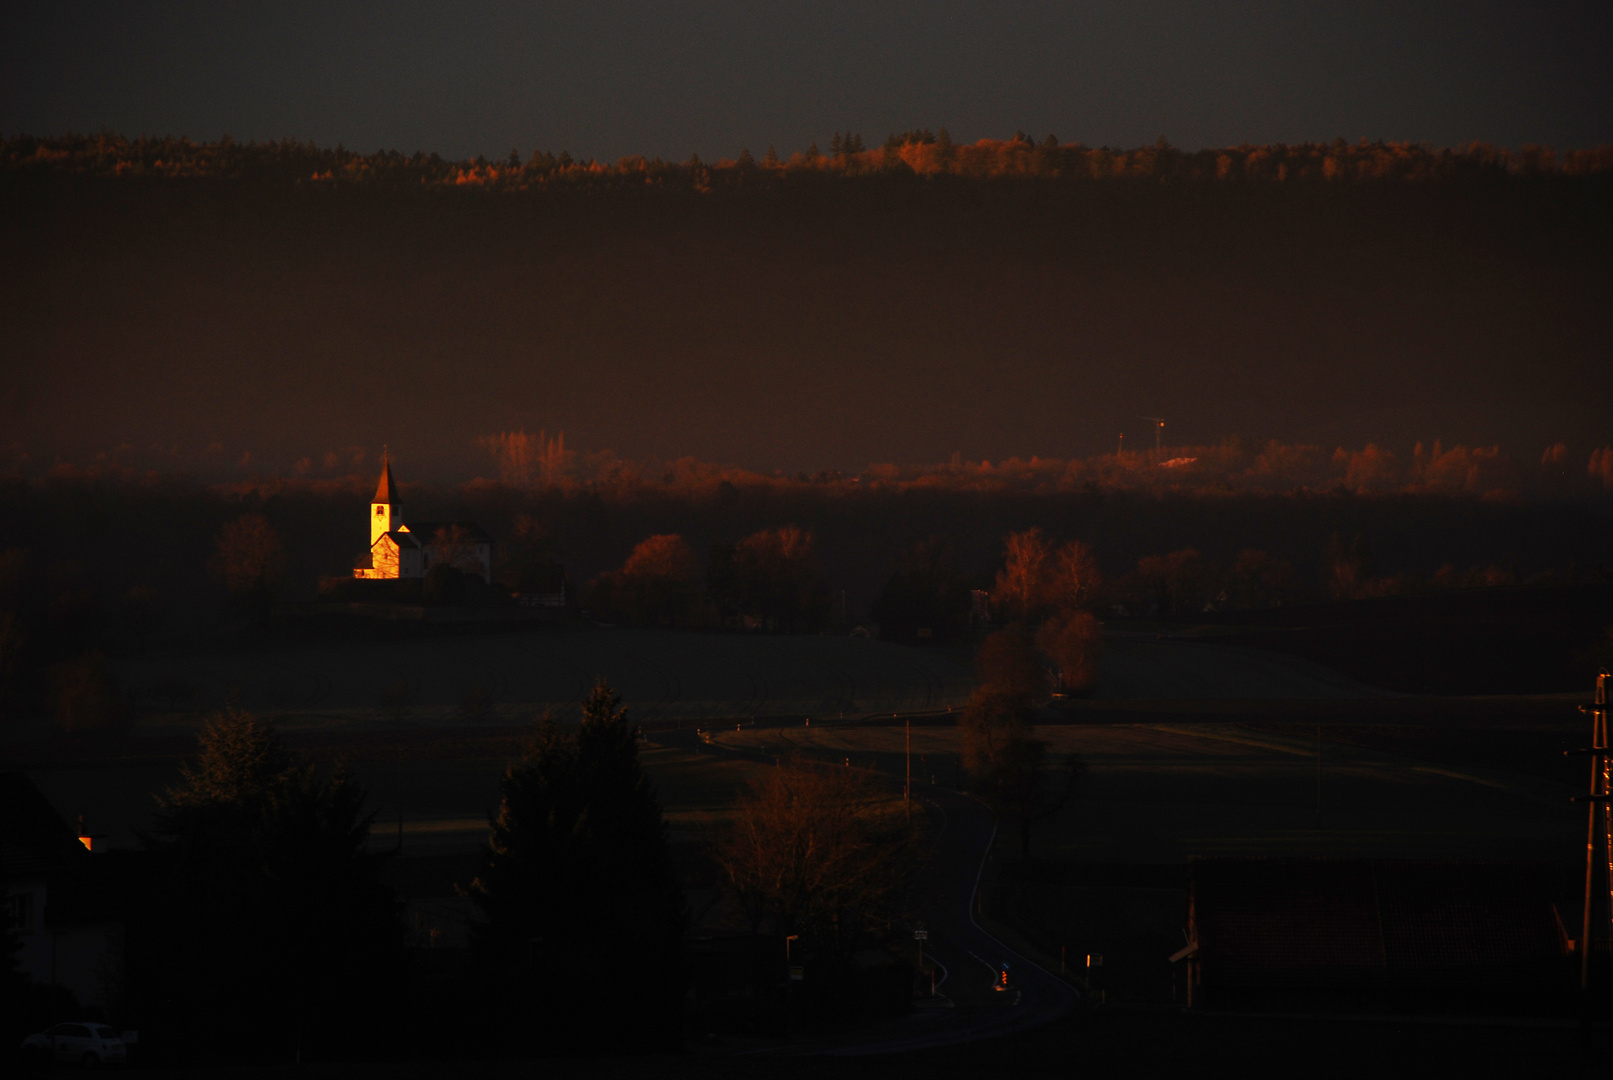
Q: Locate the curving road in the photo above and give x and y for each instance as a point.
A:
(972, 960)
(968, 1005)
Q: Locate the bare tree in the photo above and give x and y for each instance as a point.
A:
(1018, 589)
(1259, 580)
(249, 556)
(513, 453)
(1071, 578)
(1006, 663)
(454, 546)
(521, 458)
(1074, 641)
(1008, 764)
(1178, 582)
(1036, 578)
(657, 582)
(814, 851)
(771, 575)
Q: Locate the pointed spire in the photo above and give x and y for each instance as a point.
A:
(383, 490)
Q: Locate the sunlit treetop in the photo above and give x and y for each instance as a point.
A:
(915, 153)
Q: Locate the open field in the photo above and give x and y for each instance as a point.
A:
(1193, 748)
(1145, 666)
(440, 784)
(1173, 780)
(1400, 778)
(666, 677)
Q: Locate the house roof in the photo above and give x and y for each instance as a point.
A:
(1343, 922)
(427, 530)
(34, 838)
(383, 490)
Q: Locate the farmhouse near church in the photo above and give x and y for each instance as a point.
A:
(398, 550)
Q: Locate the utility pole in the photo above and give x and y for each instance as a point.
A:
(1598, 833)
(907, 788)
(1159, 426)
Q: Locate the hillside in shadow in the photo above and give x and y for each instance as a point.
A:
(170, 301)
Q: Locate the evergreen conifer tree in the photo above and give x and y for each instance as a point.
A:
(581, 903)
(265, 921)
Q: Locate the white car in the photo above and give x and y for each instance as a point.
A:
(87, 1044)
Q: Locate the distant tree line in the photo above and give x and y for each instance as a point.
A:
(541, 462)
(913, 153)
(769, 580)
(195, 563)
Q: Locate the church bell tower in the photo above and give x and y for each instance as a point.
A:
(383, 511)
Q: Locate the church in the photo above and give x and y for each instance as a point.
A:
(398, 550)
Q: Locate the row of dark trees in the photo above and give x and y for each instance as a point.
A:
(61, 622)
(58, 623)
(770, 580)
(259, 927)
(190, 563)
(918, 151)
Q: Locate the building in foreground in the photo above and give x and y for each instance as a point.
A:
(1372, 935)
(58, 898)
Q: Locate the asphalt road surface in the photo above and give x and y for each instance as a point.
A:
(973, 1004)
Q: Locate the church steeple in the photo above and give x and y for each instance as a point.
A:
(383, 511)
(383, 490)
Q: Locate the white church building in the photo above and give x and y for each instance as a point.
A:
(398, 550)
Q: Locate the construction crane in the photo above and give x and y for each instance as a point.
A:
(1159, 425)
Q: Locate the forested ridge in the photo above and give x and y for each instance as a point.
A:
(234, 310)
(920, 153)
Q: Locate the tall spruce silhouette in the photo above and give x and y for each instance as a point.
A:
(582, 909)
(263, 928)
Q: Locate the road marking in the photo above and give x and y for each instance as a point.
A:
(1459, 776)
(945, 975)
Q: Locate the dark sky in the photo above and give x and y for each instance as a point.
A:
(606, 78)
